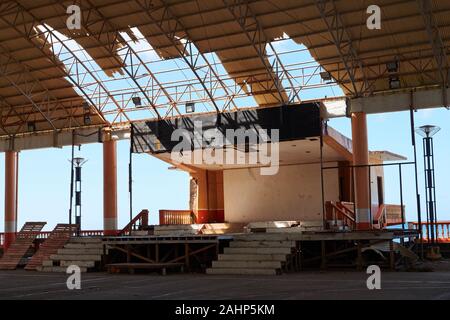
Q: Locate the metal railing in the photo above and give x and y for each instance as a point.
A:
(340, 211)
(46, 234)
(389, 209)
(139, 222)
(176, 217)
(441, 230)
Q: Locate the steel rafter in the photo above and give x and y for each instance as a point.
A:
(243, 15)
(47, 38)
(344, 45)
(31, 88)
(187, 53)
(436, 41)
(130, 55)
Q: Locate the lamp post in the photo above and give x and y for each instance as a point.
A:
(78, 164)
(427, 132)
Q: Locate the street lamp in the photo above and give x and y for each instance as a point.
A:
(78, 164)
(427, 132)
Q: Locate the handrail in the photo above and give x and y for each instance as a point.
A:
(46, 234)
(442, 230)
(381, 218)
(138, 222)
(338, 211)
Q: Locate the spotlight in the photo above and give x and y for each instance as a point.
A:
(326, 76)
(137, 101)
(190, 107)
(31, 126)
(394, 83)
(87, 119)
(392, 66)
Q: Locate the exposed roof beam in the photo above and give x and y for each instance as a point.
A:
(249, 24)
(29, 32)
(343, 42)
(187, 53)
(437, 44)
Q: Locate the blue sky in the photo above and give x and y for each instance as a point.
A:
(45, 175)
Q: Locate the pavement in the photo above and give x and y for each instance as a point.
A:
(299, 286)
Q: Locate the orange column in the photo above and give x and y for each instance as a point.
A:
(10, 197)
(109, 187)
(361, 158)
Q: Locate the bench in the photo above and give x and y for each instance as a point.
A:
(132, 267)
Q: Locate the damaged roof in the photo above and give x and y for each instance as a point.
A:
(49, 76)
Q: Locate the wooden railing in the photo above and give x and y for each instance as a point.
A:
(140, 222)
(442, 230)
(176, 217)
(340, 211)
(46, 234)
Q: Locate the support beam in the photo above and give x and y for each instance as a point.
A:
(208, 194)
(10, 197)
(110, 187)
(401, 101)
(361, 158)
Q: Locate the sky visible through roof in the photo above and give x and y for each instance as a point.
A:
(44, 175)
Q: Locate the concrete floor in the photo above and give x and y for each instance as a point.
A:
(329, 285)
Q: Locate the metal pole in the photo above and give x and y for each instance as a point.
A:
(322, 175)
(71, 177)
(130, 179)
(418, 206)
(401, 199)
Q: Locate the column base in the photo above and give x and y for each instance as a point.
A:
(211, 216)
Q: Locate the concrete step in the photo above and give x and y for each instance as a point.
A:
(252, 257)
(272, 224)
(175, 232)
(262, 244)
(267, 236)
(68, 257)
(86, 240)
(81, 264)
(80, 251)
(247, 264)
(257, 250)
(236, 271)
(179, 227)
(47, 263)
(57, 269)
(83, 246)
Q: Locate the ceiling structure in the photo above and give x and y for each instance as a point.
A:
(139, 59)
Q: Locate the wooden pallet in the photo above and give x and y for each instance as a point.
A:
(57, 240)
(24, 240)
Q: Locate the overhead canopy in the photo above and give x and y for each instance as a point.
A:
(48, 81)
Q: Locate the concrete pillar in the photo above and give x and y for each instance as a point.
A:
(209, 202)
(109, 187)
(361, 157)
(10, 197)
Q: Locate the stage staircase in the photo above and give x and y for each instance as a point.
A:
(21, 245)
(86, 253)
(57, 239)
(251, 254)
